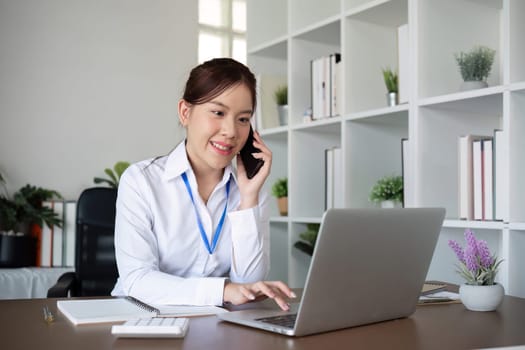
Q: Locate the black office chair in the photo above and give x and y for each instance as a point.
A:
(95, 265)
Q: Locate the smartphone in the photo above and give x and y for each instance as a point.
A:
(251, 164)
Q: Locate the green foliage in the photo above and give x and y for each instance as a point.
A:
(25, 208)
(114, 175)
(280, 95)
(310, 235)
(390, 78)
(387, 188)
(308, 239)
(280, 188)
(476, 64)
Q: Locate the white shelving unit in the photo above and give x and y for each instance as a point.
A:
(284, 36)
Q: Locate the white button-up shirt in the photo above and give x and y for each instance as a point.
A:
(160, 254)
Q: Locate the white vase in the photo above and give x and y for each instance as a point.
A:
(472, 85)
(390, 204)
(481, 298)
(391, 99)
(283, 114)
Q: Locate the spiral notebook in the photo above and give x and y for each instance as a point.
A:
(82, 311)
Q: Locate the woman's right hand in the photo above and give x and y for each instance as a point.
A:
(240, 293)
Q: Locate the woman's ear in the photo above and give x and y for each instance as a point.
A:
(184, 112)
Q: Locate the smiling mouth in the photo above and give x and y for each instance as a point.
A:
(220, 147)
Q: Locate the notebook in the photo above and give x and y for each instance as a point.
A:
(369, 265)
(81, 311)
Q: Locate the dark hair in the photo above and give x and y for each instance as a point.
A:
(211, 78)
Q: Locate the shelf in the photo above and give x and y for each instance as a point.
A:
(369, 132)
(484, 225)
(274, 49)
(392, 13)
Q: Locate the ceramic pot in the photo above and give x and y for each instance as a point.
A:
(390, 204)
(282, 204)
(391, 99)
(283, 114)
(17, 251)
(473, 85)
(481, 298)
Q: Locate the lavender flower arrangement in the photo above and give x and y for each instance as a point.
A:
(477, 266)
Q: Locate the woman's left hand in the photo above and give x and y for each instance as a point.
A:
(250, 188)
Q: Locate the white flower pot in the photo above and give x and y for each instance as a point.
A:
(481, 298)
(473, 85)
(390, 204)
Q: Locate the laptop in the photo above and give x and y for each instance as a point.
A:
(368, 266)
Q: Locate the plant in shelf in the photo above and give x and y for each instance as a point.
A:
(391, 83)
(388, 191)
(280, 191)
(475, 66)
(18, 216)
(308, 238)
(280, 96)
(479, 269)
(113, 174)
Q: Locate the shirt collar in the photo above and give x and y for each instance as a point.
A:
(178, 163)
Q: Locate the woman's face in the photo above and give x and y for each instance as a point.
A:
(217, 130)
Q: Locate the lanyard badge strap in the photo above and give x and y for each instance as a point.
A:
(215, 239)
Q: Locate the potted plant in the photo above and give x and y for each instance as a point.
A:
(308, 238)
(475, 67)
(280, 191)
(391, 83)
(388, 191)
(114, 174)
(280, 96)
(17, 217)
(479, 269)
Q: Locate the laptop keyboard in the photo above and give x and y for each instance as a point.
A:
(287, 321)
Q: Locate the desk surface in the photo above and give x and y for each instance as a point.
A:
(430, 327)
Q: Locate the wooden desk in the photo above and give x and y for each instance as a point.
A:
(431, 327)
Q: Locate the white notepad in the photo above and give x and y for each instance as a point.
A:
(126, 308)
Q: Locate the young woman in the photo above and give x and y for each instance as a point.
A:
(189, 229)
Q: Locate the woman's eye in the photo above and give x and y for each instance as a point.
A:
(244, 120)
(218, 113)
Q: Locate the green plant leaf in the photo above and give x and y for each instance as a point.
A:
(99, 180)
(120, 167)
(112, 176)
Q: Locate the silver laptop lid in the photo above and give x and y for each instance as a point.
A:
(368, 266)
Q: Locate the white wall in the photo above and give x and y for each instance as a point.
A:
(86, 83)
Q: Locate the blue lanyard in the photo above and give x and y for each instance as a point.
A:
(211, 248)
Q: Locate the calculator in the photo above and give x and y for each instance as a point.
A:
(156, 327)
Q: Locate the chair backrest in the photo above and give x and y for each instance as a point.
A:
(95, 263)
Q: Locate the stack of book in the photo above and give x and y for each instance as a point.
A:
(482, 195)
(326, 86)
(56, 245)
(334, 178)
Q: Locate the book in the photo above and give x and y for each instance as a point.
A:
(338, 198)
(46, 243)
(405, 161)
(488, 185)
(329, 178)
(84, 311)
(58, 235)
(477, 176)
(432, 287)
(466, 174)
(69, 233)
(500, 176)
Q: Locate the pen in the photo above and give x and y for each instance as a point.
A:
(48, 316)
(434, 300)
